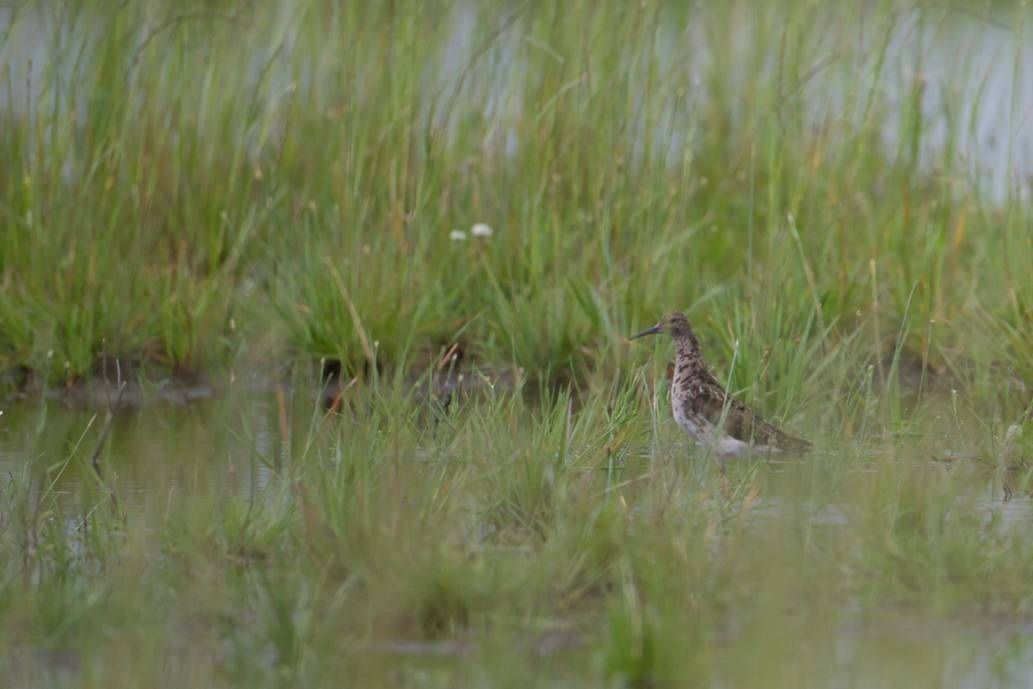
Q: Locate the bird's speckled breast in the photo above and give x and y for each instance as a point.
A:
(698, 426)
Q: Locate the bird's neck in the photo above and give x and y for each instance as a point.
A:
(689, 356)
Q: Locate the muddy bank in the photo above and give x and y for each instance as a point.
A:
(131, 386)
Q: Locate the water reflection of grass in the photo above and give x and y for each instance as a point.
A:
(505, 540)
(271, 186)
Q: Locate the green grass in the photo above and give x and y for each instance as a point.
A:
(242, 192)
(183, 186)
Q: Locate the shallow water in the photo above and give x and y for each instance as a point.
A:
(150, 451)
(232, 444)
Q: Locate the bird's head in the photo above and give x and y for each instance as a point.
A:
(676, 325)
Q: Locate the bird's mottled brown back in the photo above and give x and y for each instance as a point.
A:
(704, 403)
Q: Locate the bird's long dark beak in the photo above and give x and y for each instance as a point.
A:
(658, 328)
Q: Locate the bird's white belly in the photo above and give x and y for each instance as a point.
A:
(727, 446)
(707, 436)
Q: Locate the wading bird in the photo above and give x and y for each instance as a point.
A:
(704, 410)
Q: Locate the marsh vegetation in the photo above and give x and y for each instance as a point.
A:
(361, 440)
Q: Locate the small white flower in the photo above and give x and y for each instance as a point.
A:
(481, 230)
(457, 236)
